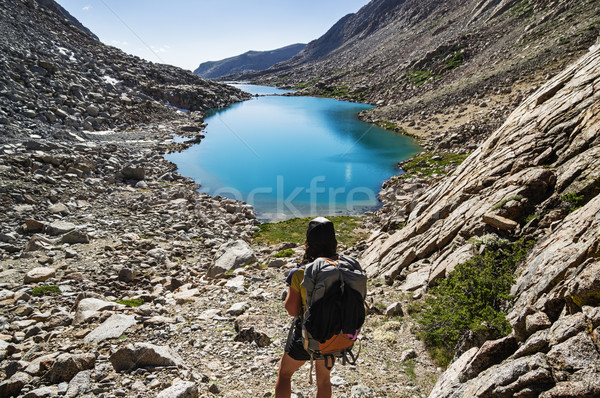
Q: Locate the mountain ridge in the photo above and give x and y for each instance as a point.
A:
(247, 62)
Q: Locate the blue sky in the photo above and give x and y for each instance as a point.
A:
(186, 32)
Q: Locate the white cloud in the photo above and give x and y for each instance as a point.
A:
(87, 8)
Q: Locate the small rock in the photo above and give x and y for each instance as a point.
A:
(394, 309)
(186, 389)
(214, 389)
(126, 275)
(67, 366)
(408, 354)
(141, 355)
(39, 274)
(500, 222)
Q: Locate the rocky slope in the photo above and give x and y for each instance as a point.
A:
(56, 80)
(247, 62)
(520, 183)
(95, 222)
(446, 72)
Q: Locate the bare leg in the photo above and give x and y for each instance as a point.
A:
(287, 367)
(323, 380)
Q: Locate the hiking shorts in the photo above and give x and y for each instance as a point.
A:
(294, 345)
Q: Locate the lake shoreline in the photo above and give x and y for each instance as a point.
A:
(342, 174)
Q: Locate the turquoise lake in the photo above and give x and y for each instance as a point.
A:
(294, 156)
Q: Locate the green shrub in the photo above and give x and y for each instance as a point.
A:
(44, 290)
(284, 253)
(455, 60)
(575, 201)
(427, 164)
(471, 299)
(131, 302)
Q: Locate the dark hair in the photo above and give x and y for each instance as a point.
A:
(320, 240)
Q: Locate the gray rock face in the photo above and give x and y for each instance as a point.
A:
(67, 366)
(552, 352)
(140, 355)
(230, 256)
(112, 328)
(89, 307)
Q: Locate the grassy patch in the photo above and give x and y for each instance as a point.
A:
(504, 201)
(284, 253)
(428, 164)
(300, 86)
(294, 230)
(409, 367)
(44, 290)
(131, 302)
(419, 77)
(455, 60)
(472, 299)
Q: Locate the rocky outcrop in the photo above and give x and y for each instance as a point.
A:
(546, 149)
(539, 167)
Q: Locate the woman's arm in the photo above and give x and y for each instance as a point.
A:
(292, 302)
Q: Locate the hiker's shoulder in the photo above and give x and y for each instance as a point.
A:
(295, 274)
(349, 261)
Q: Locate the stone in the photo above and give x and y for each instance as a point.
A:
(92, 110)
(141, 355)
(360, 391)
(394, 309)
(416, 279)
(79, 385)
(186, 389)
(255, 328)
(126, 275)
(186, 295)
(67, 366)
(537, 321)
(567, 327)
(492, 352)
(59, 208)
(39, 274)
(59, 228)
(451, 378)
(236, 284)
(42, 392)
(75, 236)
(214, 389)
(112, 328)
(13, 385)
(133, 173)
(408, 354)
(237, 308)
(499, 222)
(33, 226)
(89, 307)
(230, 256)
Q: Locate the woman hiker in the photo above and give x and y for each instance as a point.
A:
(320, 242)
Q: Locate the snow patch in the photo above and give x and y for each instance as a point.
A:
(110, 80)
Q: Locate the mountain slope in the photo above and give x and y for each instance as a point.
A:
(56, 76)
(247, 62)
(431, 66)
